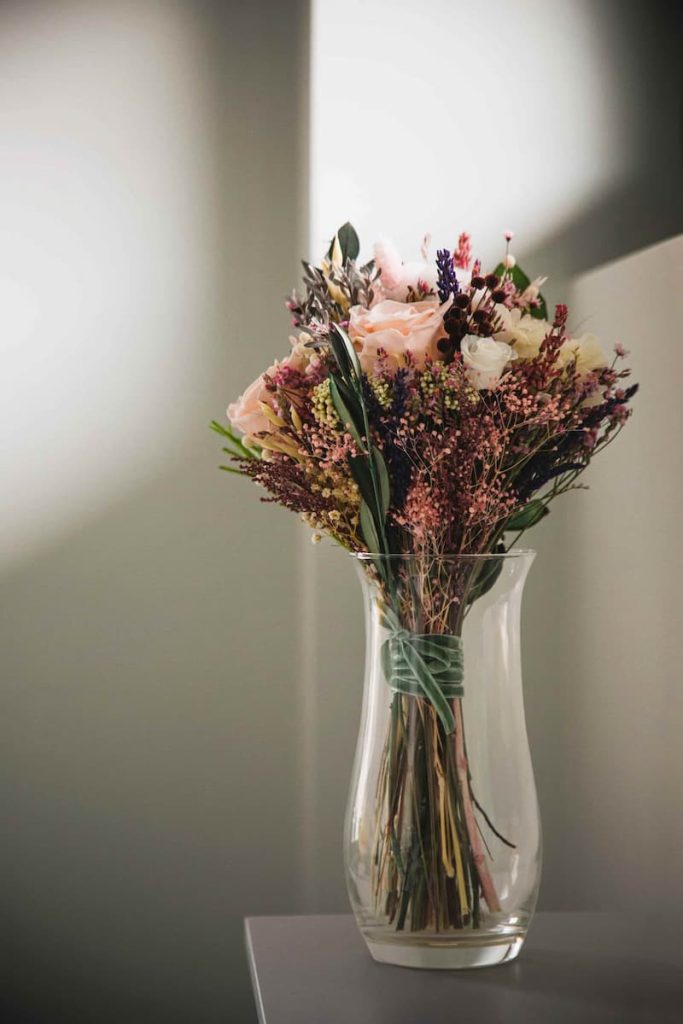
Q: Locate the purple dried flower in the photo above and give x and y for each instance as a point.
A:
(447, 282)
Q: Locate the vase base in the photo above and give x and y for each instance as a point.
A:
(445, 954)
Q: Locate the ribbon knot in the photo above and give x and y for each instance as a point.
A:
(429, 665)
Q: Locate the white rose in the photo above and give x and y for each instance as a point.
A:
(485, 359)
(587, 351)
(524, 332)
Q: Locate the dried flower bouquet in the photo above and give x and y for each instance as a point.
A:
(431, 409)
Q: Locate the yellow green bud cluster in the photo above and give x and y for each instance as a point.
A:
(381, 390)
(322, 405)
(436, 382)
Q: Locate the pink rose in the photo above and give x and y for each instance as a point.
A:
(398, 328)
(245, 414)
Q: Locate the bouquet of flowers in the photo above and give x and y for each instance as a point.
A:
(429, 408)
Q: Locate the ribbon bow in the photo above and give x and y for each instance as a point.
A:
(429, 665)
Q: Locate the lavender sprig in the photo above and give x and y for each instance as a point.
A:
(447, 282)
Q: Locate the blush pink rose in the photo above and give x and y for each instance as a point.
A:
(398, 328)
(246, 414)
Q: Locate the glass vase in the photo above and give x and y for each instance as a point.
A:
(442, 835)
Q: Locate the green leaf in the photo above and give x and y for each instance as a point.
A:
(527, 516)
(485, 576)
(344, 413)
(341, 356)
(372, 485)
(521, 281)
(368, 529)
(235, 439)
(360, 471)
(382, 479)
(517, 275)
(348, 242)
(340, 335)
(219, 428)
(431, 689)
(540, 312)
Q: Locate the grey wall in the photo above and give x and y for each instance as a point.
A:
(181, 669)
(148, 627)
(621, 786)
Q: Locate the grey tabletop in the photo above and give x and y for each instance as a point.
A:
(574, 969)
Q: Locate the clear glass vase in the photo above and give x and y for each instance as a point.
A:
(442, 835)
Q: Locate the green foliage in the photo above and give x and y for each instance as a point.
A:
(485, 575)
(369, 531)
(344, 401)
(236, 448)
(349, 243)
(368, 468)
(527, 516)
(521, 281)
(426, 665)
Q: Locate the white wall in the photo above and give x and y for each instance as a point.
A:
(447, 115)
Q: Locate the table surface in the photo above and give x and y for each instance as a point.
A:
(575, 968)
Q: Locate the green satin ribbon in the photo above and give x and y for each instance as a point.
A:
(429, 665)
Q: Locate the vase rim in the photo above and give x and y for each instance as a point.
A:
(513, 553)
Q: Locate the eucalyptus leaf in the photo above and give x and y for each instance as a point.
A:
(349, 242)
(485, 575)
(382, 479)
(368, 529)
(343, 411)
(344, 364)
(349, 349)
(527, 516)
(360, 471)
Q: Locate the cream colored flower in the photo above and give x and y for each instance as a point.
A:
(485, 360)
(587, 351)
(301, 358)
(524, 332)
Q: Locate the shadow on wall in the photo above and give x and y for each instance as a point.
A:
(149, 677)
(638, 213)
(149, 758)
(645, 205)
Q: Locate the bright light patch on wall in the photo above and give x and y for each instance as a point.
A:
(102, 256)
(447, 115)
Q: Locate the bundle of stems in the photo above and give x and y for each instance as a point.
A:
(430, 863)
